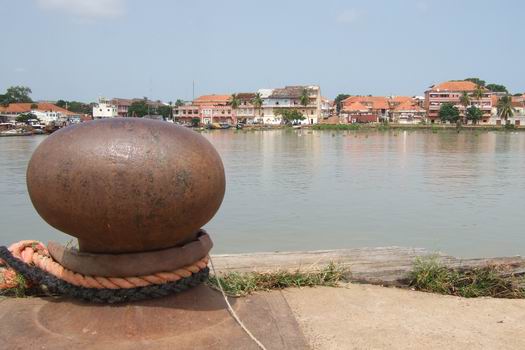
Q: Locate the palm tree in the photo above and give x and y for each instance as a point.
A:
(171, 110)
(257, 102)
(234, 103)
(479, 93)
(505, 109)
(465, 101)
(304, 99)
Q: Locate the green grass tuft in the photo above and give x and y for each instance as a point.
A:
(336, 127)
(241, 284)
(491, 281)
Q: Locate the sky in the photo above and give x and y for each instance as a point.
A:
(85, 49)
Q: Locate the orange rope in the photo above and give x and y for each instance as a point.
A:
(35, 253)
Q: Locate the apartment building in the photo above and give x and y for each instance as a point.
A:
(122, 105)
(208, 108)
(289, 97)
(246, 111)
(451, 92)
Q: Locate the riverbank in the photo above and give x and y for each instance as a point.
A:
(429, 127)
(349, 316)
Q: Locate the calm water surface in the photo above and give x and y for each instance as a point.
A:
(462, 194)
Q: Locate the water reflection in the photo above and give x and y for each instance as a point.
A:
(301, 189)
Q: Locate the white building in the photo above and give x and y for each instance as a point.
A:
(104, 109)
(289, 97)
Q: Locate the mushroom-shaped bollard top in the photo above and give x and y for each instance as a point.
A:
(125, 185)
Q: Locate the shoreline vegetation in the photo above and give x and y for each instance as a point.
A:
(430, 127)
(427, 274)
(379, 127)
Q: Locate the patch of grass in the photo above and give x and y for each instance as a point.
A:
(336, 127)
(491, 281)
(241, 284)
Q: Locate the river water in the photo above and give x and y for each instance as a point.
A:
(462, 194)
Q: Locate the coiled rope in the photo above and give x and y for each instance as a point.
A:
(32, 260)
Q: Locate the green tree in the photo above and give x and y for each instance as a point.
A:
(497, 88)
(179, 103)
(257, 102)
(479, 93)
(165, 111)
(195, 122)
(75, 106)
(448, 113)
(464, 100)
(474, 114)
(476, 81)
(24, 118)
(234, 102)
(171, 109)
(304, 100)
(339, 101)
(290, 116)
(16, 94)
(505, 109)
(138, 109)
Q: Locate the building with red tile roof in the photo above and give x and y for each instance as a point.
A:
(451, 92)
(45, 111)
(382, 107)
(408, 112)
(212, 100)
(208, 109)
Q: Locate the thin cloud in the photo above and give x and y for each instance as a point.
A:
(348, 16)
(85, 9)
(19, 70)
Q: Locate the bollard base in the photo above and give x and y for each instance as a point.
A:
(193, 319)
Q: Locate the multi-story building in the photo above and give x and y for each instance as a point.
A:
(451, 92)
(208, 108)
(186, 114)
(122, 105)
(245, 112)
(289, 97)
(104, 109)
(327, 108)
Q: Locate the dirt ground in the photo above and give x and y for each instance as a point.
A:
(373, 317)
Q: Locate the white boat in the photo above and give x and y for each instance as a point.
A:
(15, 132)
